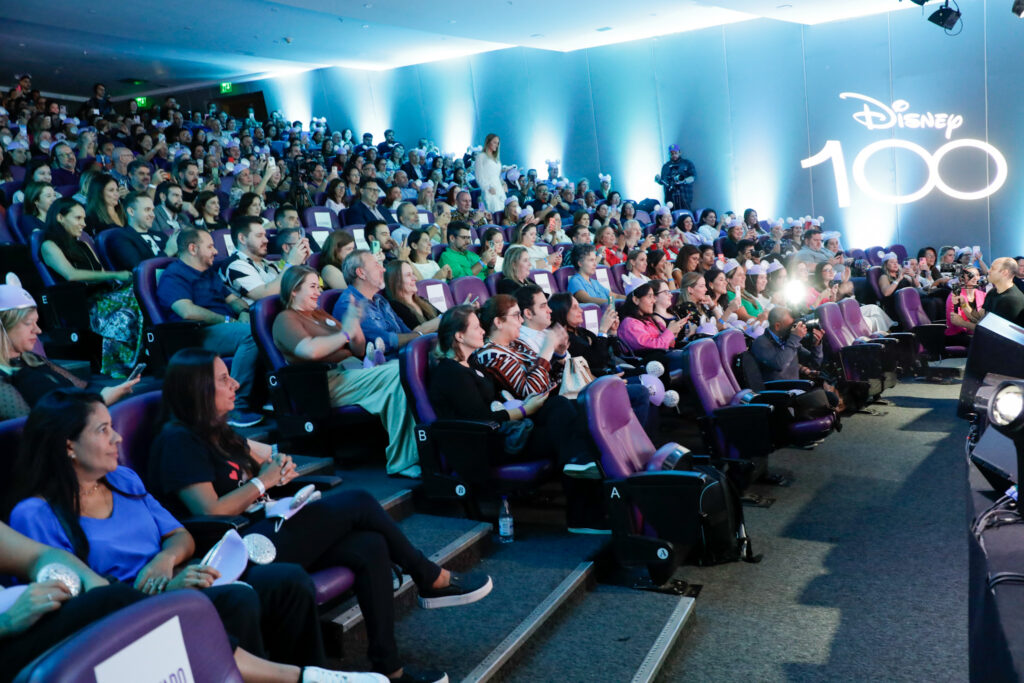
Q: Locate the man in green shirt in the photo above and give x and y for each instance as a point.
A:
(461, 259)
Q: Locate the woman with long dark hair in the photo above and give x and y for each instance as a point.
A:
(113, 313)
(75, 496)
(103, 207)
(200, 466)
(640, 330)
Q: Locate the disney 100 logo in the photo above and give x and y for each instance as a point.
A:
(877, 116)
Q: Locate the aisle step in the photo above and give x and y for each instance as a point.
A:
(612, 634)
(533, 577)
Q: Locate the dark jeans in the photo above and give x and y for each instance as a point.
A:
(17, 651)
(351, 529)
(561, 433)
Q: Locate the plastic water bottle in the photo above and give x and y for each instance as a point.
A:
(506, 529)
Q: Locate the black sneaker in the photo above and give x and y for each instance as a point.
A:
(463, 589)
(421, 676)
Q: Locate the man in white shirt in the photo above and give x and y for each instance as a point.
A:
(536, 327)
(248, 273)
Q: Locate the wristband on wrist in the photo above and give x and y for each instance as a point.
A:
(260, 486)
(274, 450)
(522, 412)
(227, 318)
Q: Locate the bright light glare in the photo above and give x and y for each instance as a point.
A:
(796, 292)
(1007, 405)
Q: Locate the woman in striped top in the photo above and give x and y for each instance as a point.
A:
(560, 426)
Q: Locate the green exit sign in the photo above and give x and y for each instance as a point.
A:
(142, 101)
(227, 87)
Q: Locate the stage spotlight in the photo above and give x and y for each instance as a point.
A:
(945, 16)
(1018, 8)
(1006, 408)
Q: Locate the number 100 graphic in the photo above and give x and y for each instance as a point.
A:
(833, 150)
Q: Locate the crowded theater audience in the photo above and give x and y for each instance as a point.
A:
(554, 272)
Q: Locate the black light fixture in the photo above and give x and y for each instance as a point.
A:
(945, 16)
(1018, 8)
(1004, 406)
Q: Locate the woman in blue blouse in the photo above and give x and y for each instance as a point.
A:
(584, 285)
(76, 497)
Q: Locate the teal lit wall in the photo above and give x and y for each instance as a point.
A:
(746, 102)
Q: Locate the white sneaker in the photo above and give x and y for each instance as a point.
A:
(314, 674)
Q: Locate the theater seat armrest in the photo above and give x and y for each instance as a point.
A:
(301, 389)
(208, 529)
(669, 457)
(789, 385)
(777, 399)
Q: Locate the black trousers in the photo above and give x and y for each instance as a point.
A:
(275, 616)
(350, 528)
(560, 432)
(17, 651)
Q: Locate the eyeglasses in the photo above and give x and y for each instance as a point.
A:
(517, 314)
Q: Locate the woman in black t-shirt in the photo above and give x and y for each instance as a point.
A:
(199, 466)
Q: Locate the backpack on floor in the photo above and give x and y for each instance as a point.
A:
(723, 535)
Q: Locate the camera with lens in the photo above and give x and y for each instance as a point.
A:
(810, 322)
(681, 309)
(951, 269)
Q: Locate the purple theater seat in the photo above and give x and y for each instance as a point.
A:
(872, 275)
(469, 286)
(545, 280)
(10, 436)
(856, 254)
(615, 273)
(860, 359)
(643, 217)
(314, 260)
(7, 236)
(932, 336)
(222, 240)
(68, 190)
(103, 247)
(872, 255)
(900, 347)
(729, 430)
(718, 245)
(562, 276)
(320, 217)
(731, 345)
(900, 251)
(453, 453)
(436, 250)
(329, 299)
(492, 282)
(14, 214)
(206, 645)
(163, 337)
(437, 293)
(651, 504)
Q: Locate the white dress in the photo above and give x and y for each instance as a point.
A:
(488, 175)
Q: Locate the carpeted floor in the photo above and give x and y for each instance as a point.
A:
(864, 576)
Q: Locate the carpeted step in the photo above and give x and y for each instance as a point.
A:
(612, 633)
(526, 573)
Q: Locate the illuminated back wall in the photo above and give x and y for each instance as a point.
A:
(921, 163)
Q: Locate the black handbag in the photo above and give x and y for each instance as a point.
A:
(516, 433)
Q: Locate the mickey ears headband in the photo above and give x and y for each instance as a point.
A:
(13, 296)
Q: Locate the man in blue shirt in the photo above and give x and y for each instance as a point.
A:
(778, 350)
(366, 277)
(190, 289)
